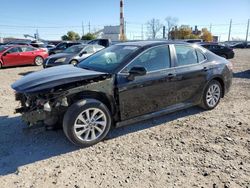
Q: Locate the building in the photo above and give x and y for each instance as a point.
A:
(111, 32)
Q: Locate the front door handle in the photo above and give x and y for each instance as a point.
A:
(205, 69)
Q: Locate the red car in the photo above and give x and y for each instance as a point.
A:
(16, 55)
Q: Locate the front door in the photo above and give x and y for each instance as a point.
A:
(151, 92)
(12, 57)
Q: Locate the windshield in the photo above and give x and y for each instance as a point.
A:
(108, 59)
(74, 49)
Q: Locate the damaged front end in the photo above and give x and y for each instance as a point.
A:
(45, 95)
(41, 107)
(49, 107)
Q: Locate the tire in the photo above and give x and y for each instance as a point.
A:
(74, 62)
(95, 128)
(38, 61)
(212, 95)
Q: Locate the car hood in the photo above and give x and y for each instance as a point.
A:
(52, 77)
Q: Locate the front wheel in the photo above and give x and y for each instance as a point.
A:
(87, 122)
(212, 95)
(224, 56)
(74, 62)
(38, 61)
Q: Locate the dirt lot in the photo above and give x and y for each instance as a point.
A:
(190, 148)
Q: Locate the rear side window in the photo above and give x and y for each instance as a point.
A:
(89, 49)
(27, 49)
(201, 56)
(154, 59)
(186, 55)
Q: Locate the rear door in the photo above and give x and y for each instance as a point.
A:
(151, 92)
(12, 57)
(190, 73)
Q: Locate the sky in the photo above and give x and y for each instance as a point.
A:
(53, 18)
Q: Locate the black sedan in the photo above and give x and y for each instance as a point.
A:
(123, 84)
(220, 50)
(62, 46)
(72, 55)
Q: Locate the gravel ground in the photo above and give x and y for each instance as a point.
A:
(190, 148)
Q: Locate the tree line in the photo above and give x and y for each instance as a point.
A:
(154, 26)
(73, 36)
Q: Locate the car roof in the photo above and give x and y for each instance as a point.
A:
(17, 45)
(151, 43)
(208, 43)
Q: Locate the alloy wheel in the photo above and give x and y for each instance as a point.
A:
(213, 95)
(39, 61)
(90, 124)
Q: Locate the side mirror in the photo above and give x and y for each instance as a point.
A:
(6, 53)
(82, 53)
(136, 71)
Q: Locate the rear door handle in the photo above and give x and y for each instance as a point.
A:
(171, 75)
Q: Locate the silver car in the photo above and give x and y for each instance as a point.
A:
(72, 55)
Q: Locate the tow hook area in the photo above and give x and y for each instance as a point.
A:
(35, 116)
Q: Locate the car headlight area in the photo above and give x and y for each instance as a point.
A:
(60, 60)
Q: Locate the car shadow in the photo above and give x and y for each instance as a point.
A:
(243, 74)
(21, 146)
(25, 73)
(121, 131)
(19, 66)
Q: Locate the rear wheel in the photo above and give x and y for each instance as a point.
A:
(212, 95)
(38, 61)
(87, 122)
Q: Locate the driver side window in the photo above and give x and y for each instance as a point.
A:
(14, 50)
(154, 59)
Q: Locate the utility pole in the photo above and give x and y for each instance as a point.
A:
(122, 32)
(142, 32)
(125, 27)
(210, 28)
(89, 26)
(82, 29)
(37, 35)
(247, 29)
(229, 33)
(164, 32)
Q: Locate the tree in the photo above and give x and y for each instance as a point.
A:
(88, 36)
(171, 22)
(72, 36)
(154, 26)
(185, 32)
(206, 35)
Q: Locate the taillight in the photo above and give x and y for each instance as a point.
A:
(230, 65)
